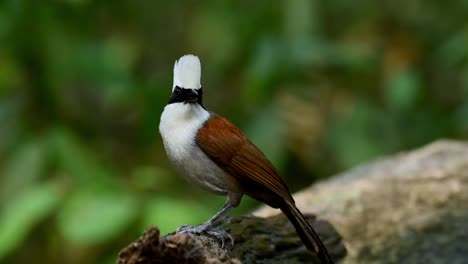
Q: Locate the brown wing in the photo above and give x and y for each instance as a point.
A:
(230, 149)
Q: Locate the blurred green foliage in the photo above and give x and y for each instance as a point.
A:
(319, 85)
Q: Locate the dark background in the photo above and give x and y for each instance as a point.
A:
(319, 86)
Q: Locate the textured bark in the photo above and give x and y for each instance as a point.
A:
(408, 208)
(184, 248)
(256, 240)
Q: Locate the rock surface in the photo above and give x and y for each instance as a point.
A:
(408, 208)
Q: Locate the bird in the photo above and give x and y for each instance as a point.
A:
(212, 153)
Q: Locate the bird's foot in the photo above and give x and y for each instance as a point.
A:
(198, 229)
(208, 230)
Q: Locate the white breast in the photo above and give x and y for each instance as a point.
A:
(178, 127)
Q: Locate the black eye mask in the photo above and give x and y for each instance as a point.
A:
(183, 95)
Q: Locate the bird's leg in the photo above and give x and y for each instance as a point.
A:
(208, 227)
(208, 224)
(226, 208)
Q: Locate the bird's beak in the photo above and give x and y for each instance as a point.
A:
(191, 97)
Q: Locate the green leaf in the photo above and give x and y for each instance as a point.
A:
(10, 125)
(263, 68)
(302, 19)
(461, 118)
(23, 212)
(356, 137)
(453, 50)
(22, 168)
(151, 178)
(95, 62)
(265, 128)
(9, 69)
(168, 214)
(403, 90)
(80, 162)
(91, 217)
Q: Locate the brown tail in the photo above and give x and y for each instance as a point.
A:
(307, 234)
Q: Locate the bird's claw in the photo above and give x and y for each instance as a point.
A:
(204, 229)
(199, 229)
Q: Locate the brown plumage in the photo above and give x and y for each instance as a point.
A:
(249, 172)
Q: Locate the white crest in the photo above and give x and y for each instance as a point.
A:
(187, 72)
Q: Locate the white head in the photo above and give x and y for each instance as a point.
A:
(187, 72)
(187, 88)
(184, 113)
